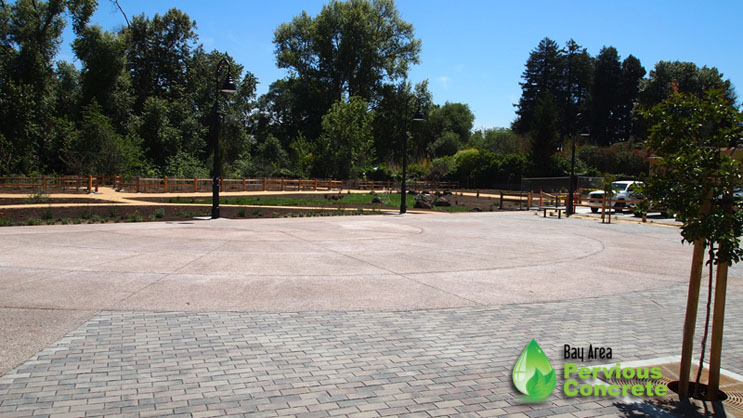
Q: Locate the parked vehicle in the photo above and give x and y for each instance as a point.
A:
(625, 191)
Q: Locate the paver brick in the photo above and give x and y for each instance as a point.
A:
(427, 363)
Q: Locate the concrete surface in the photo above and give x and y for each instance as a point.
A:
(338, 263)
(329, 316)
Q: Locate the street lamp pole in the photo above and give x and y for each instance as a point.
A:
(417, 117)
(571, 188)
(227, 86)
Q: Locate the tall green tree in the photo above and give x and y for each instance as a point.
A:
(543, 73)
(352, 48)
(103, 76)
(686, 77)
(158, 54)
(574, 93)
(544, 136)
(605, 97)
(30, 35)
(629, 88)
(346, 145)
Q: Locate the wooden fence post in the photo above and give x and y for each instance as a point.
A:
(529, 200)
(165, 184)
(283, 184)
(540, 199)
(137, 184)
(388, 185)
(500, 204)
(90, 183)
(603, 208)
(244, 187)
(264, 184)
(299, 185)
(315, 184)
(43, 183)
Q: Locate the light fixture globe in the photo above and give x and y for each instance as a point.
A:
(229, 85)
(418, 116)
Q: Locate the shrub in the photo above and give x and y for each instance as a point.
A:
(159, 213)
(86, 214)
(134, 217)
(47, 214)
(38, 197)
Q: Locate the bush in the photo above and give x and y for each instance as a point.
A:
(617, 159)
(477, 168)
(447, 144)
(134, 217)
(38, 197)
(380, 173)
(86, 214)
(47, 214)
(159, 213)
(441, 167)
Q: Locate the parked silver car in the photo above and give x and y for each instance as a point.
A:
(624, 192)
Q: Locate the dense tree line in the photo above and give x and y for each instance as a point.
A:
(142, 101)
(566, 91)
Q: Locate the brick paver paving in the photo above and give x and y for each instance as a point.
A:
(422, 363)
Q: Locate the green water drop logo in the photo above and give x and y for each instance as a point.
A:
(533, 374)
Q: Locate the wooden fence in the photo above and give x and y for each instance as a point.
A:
(49, 184)
(191, 185)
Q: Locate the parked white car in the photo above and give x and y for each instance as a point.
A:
(624, 191)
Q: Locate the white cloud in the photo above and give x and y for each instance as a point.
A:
(444, 80)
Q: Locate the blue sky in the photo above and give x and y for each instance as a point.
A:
(474, 51)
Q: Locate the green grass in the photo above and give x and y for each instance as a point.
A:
(391, 200)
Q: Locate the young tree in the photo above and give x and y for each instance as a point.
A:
(694, 138)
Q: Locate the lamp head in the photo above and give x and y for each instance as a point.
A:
(418, 116)
(229, 85)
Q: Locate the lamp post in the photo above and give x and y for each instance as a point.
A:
(571, 187)
(227, 85)
(417, 117)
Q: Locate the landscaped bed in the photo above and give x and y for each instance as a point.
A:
(181, 208)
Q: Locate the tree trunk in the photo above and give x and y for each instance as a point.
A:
(713, 384)
(692, 304)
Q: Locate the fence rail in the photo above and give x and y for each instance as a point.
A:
(88, 184)
(56, 184)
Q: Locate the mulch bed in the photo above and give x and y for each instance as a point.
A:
(128, 213)
(484, 204)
